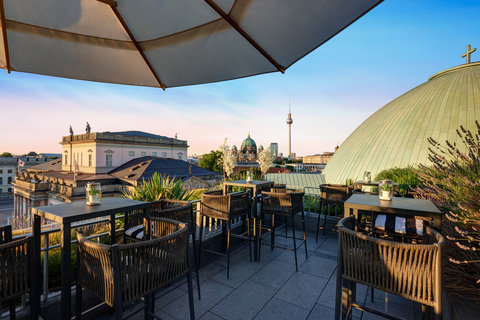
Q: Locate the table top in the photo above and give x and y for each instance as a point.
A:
(78, 211)
(373, 203)
(372, 183)
(251, 184)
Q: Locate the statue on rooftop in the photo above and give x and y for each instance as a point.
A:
(88, 128)
(71, 131)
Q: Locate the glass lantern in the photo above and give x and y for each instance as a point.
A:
(249, 176)
(93, 194)
(367, 177)
(385, 190)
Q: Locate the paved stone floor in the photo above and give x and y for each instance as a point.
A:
(271, 289)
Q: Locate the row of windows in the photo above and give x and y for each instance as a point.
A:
(109, 158)
(9, 180)
(8, 171)
(8, 190)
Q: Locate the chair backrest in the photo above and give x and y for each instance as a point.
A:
(225, 206)
(176, 210)
(15, 268)
(412, 271)
(283, 203)
(5, 234)
(279, 188)
(336, 193)
(137, 268)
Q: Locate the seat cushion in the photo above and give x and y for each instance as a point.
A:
(135, 232)
(399, 224)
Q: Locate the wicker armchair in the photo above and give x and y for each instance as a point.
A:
(178, 210)
(412, 271)
(121, 274)
(16, 266)
(331, 194)
(226, 208)
(286, 204)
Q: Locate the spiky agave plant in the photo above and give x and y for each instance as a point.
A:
(159, 187)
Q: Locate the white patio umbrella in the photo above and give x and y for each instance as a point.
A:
(167, 43)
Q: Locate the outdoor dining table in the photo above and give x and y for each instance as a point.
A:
(361, 183)
(67, 215)
(256, 186)
(396, 206)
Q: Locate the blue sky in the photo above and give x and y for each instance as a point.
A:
(389, 51)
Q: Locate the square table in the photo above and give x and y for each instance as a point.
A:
(361, 183)
(257, 186)
(396, 206)
(67, 214)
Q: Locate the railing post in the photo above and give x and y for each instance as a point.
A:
(45, 266)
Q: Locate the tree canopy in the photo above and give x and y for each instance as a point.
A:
(211, 161)
(6, 155)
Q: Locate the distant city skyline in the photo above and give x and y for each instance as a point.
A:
(389, 51)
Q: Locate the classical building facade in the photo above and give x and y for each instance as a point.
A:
(117, 160)
(100, 152)
(248, 151)
(318, 158)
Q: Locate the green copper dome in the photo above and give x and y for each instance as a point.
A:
(248, 143)
(396, 135)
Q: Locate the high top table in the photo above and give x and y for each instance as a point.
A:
(256, 186)
(68, 214)
(396, 206)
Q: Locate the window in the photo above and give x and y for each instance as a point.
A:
(108, 160)
(143, 153)
(154, 154)
(89, 160)
(9, 170)
(65, 157)
(9, 180)
(9, 189)
(1, 171)
(180, 155)
(164, 154)
(131, 153)
(1, 180)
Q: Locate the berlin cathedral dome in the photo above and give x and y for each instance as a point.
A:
(247, 152)
(396, 135)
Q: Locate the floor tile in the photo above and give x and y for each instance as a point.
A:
(274, 274)
(244, 302)
(321, 267)
(277, 309)
(302, 289)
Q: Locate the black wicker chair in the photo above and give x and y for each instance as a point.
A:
(121, 274)
(331, 194)
(410, 270)
(226, 208)
(178, 210)
(286, 204)
(16, 268)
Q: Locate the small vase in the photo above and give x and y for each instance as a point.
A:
(385, 190)
(249, 176)
(93, 194)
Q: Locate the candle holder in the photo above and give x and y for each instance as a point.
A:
(93, 194)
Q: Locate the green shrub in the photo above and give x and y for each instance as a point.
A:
(406, 177)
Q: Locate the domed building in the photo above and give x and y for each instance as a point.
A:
(396, 135)
(248, 151)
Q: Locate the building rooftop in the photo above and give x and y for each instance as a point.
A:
(144, 168)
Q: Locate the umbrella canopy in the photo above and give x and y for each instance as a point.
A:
(166, 43)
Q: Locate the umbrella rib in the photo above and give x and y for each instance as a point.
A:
(113, 5)
(244, 34)
(4, 32)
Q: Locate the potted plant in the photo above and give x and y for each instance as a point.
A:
(367, 177)
(385, 190)
(249, 176)
(93, 194)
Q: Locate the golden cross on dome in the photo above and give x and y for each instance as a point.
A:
(468, 53)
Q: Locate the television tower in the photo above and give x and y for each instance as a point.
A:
(289, 122)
